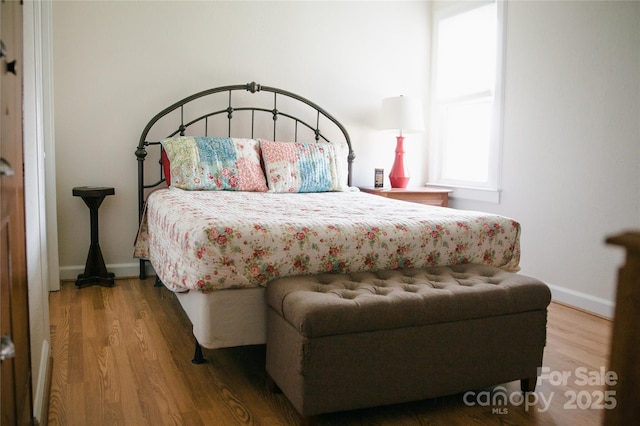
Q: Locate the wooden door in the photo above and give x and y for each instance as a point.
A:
(15, 371)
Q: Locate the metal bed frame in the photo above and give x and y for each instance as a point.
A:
(234, 104)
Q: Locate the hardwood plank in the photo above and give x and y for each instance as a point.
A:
(122, 355)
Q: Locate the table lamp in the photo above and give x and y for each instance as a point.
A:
(404, 114)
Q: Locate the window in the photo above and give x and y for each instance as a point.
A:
(466, 97)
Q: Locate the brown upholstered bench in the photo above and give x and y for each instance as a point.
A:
(338, 342)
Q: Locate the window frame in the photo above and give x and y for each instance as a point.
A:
(490, 190)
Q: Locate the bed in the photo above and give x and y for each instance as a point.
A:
(249, 183)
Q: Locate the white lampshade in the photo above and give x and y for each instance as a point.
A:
(402, 113)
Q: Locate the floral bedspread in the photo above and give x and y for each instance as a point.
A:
(209, 240)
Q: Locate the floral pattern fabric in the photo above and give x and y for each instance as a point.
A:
(304, 167)
(211, 163)
(215, 240)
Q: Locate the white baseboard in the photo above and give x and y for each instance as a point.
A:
(120, 270)
(583, 301)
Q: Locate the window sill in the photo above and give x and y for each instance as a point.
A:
(473, 194)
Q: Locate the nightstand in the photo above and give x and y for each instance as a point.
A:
(421, 195)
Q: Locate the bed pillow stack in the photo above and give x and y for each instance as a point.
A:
(235, 164)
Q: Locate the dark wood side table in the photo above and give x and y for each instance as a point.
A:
(95, 272)
(625, 341)
(421, 195)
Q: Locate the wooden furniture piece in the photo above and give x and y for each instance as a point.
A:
(95, 272)
(421, 195)
(625, 341)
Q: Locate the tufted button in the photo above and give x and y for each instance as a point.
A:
(326, 278)
(379, 283)
(459, 275)
(432, 284)
(349, 294)
(381, 291)
(351, 285)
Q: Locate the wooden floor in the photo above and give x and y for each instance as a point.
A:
(121, 356)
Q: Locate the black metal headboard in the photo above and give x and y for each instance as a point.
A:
(255, 108)
(197, 114)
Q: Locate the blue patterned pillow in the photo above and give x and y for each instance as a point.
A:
(209, 163)
(304, 167)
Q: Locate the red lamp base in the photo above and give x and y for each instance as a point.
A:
(399, 176)
(401, 182)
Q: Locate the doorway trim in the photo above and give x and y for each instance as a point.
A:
(40, 192)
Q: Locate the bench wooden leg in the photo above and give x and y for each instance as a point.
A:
(272, 385)
(528, 384)
(309, 421)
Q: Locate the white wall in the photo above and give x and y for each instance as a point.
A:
(117, 64)
(571, 154)
(572, 108)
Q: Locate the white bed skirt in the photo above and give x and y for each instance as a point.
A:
(227, 318)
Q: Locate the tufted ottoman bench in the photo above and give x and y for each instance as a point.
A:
(346, 341)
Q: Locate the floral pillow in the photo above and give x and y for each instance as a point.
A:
(210, 163)
(304, 167)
